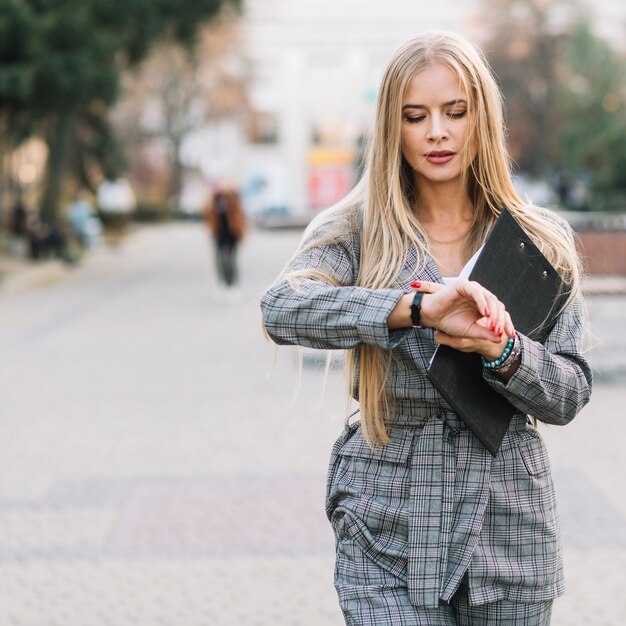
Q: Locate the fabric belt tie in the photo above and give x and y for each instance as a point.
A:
(441, 539)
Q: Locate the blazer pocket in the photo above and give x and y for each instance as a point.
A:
(534, 454)
(363, 475)
(396, 451)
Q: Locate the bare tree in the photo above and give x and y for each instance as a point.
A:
(176, 91)
(523, 40)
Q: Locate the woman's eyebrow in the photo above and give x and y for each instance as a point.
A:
(423, 106)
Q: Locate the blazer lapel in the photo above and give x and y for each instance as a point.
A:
(428, 272)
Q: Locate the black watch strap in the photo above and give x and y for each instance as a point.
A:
(416, 310)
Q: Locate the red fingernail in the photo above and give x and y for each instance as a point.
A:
(416, 284)
(499, 332)
(487, 312)
(493, 326)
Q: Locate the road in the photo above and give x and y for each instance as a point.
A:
(162, 464)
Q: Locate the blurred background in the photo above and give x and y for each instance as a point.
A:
(160, 463)
(279, 96)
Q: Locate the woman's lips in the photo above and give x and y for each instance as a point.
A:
(439, 157)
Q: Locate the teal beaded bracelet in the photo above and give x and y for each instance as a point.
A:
(507, 350)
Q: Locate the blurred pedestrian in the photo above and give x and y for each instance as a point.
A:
(564, 188)
(18, 217)
(17, 226)
(83, 219)
(47, 239)
(430, 528)
(226, 222)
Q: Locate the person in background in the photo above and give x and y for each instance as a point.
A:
(226, 222)
(18, 217)
(430, 529)
(83, 219)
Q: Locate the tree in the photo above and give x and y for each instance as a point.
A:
(564, 90)
(591, 99)
(175, 91)
(68, 60)
(19, 50)
(523, 42)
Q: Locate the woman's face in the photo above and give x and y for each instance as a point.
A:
(434, 125)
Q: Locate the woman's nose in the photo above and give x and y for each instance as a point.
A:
(436, 130)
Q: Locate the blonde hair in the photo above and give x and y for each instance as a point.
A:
(381, 208)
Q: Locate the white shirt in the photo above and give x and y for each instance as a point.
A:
(466, 271)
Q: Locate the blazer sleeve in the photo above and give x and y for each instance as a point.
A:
(318, 314)
(553, 381)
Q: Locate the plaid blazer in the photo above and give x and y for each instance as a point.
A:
(433, 506)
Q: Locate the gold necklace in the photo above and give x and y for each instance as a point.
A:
(449, 241)
(453, 272)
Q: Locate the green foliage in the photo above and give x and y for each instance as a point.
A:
(565, 94)
(523, 52)
(20, 48)
(61, 59)
(592, 99)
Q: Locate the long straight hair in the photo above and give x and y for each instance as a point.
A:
(381, 208)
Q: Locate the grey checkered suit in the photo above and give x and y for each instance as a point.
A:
(433, 512)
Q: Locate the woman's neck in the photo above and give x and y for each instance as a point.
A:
(444, 205)
(446, 214)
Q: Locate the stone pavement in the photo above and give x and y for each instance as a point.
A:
(162, 464)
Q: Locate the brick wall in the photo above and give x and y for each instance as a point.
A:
(604, 251)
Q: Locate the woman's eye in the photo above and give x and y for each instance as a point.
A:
(456, 115)
(414, 120)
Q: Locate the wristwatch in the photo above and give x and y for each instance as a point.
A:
(416, 310)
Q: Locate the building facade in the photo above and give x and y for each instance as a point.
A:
(314, 71)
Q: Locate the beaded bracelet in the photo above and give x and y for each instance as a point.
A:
(511, 352)
(511, 360)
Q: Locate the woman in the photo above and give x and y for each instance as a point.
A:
(225, 219)
(430, 528)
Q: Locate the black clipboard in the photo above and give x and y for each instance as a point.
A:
(512, 268)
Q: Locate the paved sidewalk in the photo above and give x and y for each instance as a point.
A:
(162, 464)
(18, 274)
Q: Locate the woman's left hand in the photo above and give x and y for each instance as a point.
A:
(484, 347)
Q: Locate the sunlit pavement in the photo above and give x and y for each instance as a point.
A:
(162, 464)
